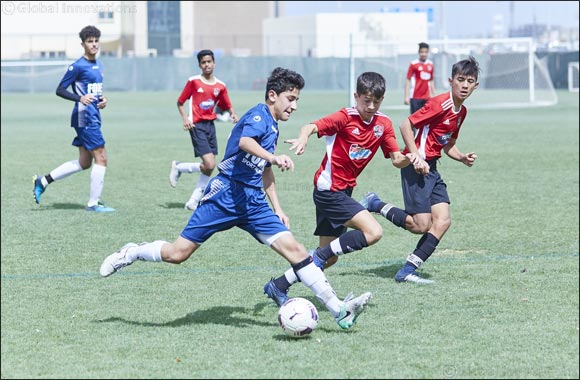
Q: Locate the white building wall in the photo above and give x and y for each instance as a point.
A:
(330, 34)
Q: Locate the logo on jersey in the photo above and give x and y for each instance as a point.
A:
(253, 162)
(357, 153)
(355, 131)
(207, 104)
(257, 118)
(446, 122)
(378, 130)
(444, 139)
(200, 90)
(216, 91)
(71, 68)
(95, 88)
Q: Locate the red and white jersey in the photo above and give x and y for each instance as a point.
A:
(351, 143)
(435, 124)
(420, 73)
(203, 97)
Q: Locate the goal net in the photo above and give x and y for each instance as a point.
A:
(32, 76)
(511, 74)
(573, 76)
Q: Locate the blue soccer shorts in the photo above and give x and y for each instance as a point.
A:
(89, 137)
(226, 204)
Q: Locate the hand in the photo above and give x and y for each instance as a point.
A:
(87, 99)
(283, 162)
(297, 145)
(188, 125)
(103, 103)
(234, 118)
(469, 159)
(406, 101)
(283, 218)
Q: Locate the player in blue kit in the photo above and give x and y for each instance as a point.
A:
(85, 77)
(234, 198)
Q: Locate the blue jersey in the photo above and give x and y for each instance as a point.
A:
(241, 166)
(85, 77)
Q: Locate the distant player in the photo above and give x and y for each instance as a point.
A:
(353, 136)
(85, 77)
(420, 83)
(236, 197)
(205, 92)
(427, 132)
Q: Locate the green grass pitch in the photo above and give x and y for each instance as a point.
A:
(504, 305)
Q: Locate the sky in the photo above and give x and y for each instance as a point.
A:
(463, 19)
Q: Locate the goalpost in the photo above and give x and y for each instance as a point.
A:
(35, 76)
(511, 74)
(573, 76)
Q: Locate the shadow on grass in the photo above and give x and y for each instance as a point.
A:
(60, 206)
(386, 271)
(169, 205)
(221, 315)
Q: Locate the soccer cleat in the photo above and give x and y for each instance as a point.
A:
(193, 202)
(371, 202)
(116, 261)
(351, 309)
(174, 174)
(38, 188)
(99, 207)
(405, 276)
(272, 291)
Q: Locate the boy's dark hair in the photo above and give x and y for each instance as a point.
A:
(283, 80)
(423, 45)
(203, 53)
(371, 82)
(89, 31)
(468, 67)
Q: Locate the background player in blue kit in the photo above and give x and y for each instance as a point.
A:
(234, 198)
(85, 77)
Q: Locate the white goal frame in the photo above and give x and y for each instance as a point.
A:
(571, 67)
(445, 46)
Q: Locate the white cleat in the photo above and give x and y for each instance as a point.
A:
(174, 174)
(416, 279)
(351, 309)
(116, 261)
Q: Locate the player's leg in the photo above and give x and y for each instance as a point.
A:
(205, 146)
(344, 312)
(441, 221)
(97, 180)
(209, 219)
(62, 171)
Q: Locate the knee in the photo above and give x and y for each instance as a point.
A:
(174, 256)
(373, 234)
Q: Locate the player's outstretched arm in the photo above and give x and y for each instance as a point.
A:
(453, 152)
(248, 144)
(298, 145)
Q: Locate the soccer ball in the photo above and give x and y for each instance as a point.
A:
(298, 317)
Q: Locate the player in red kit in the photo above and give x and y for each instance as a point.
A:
(427, 132)
(205, 92)
(420, 84)
(353, 136)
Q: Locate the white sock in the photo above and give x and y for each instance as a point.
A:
(146, 251)
(202, 181)
(291, 276)
(64, 171)
(188, 167)
(313, 277)
(97, 182)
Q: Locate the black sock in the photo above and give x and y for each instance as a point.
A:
(395, 215)
(425, 248)
(353, 240)
(49, 178)
(282, 283)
